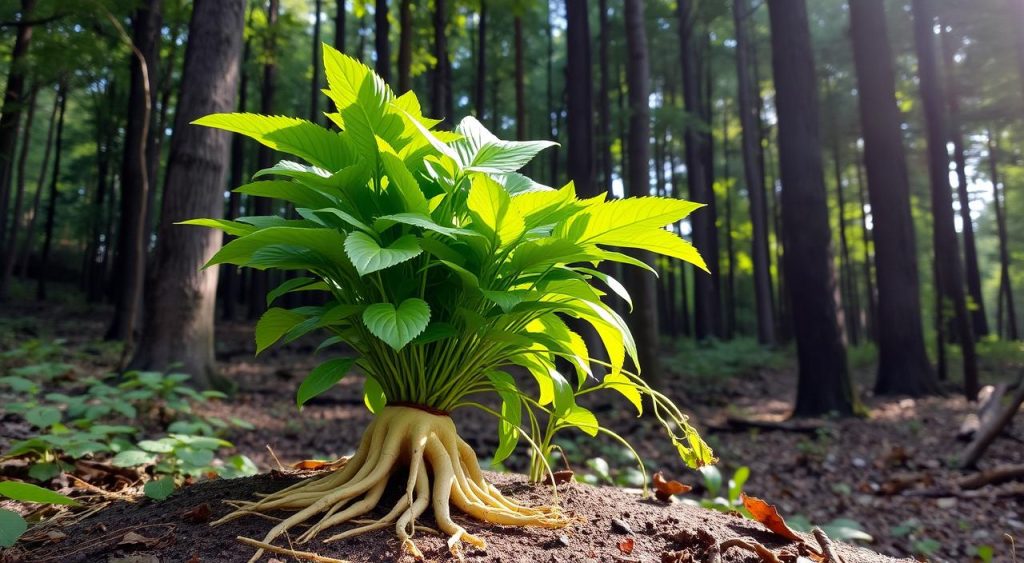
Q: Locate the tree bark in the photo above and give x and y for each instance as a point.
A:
(30, 229)
(382, 40)
(231, 281)
(1007, 307)
(130, 260)
(314, 89)
(10, 250)
(848, 288)
(730, 250)
(866, 270)
(706, 302)
(950, 279)
(10, 112)
(441, 86)
(178, 325)
(51, 205)
(604, 110)
(753, 173)
(265, 156)
(823, 380)
(339, 26)
(520, 76)
(903, 366)
(580, 114)
(405, 46)
(642, 286)
(978, 317)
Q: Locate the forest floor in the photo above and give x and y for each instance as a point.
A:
(887, 473)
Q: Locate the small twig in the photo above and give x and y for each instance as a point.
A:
(280, 466)
(766, 555)
(826, 546)
(102, 492)
(306, 555)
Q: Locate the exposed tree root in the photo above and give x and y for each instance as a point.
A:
(432, 450)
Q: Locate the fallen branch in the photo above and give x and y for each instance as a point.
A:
(826, 546)
(989, 399)
(987, 434)
(304, 555)
(766, 555)
(995, 476)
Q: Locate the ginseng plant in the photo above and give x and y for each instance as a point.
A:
(441, 268)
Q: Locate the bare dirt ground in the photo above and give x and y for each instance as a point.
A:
(889, 470)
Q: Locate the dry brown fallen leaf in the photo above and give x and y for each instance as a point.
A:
(768, 515)
(665, 488)
(136, 540)
(563, 476)
(626, 546)
(198, 514)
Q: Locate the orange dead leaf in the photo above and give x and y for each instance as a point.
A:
(768, 515)
(318, 465)
(664, 489)
(626, 546)
(563, 476)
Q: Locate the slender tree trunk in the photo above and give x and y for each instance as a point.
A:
(232, 279)
(869, 285)
(580, 155)
(552, 119)
(10, 112)
(51, 205)
(978, 318)
(1005, 285)
(30, 229)
(520, 78)
(10, 250)
(440, 94)
(107, 126)
(730, 251)
(382, 40)
(604, 110)
(130, 261)
(643, 288)
(314, 89)
(706, 303)
(753, 172)
(178, 325)
(339, 26)
(950, 280)
(260, 279)
(405, 46)
(850, 310)
(903, 366)
(824, 380)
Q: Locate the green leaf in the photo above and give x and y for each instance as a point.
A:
(12, 526)
(511, 414)
(27, 492)
(368, 256)
(373, 395)
(628, 389)
(163, 446)
(322, 378)
(132, 458)
(43, 417)
(233, 228)
(293, 192)
(44, 471)
(273, 325)
(481, 150)
(397, 327)
(195, 458)
(159, 489)
(492, 211)
(421, 220)
(579, 417)
(288, 286)
(299, 137)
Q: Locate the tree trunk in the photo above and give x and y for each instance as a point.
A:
(405, 46)
(51, 205)
(232, 279)
(642, 286)
(604, 110)
(265, 156)
(869, 285)
(847, 284)
(824, 380)
(382, 40)
(579, 109)
(10, 250)
(314, 89)
(706, 302)
(730, 251)
(130, 260)
(339, 26)
(178, 324)
(1005, 284)
(903, 366)
(441, 86)
(107, 128)
(10, 113)
(520, 76)
(978, 318)
(753, 173)
(30, 229)
(950, 280)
